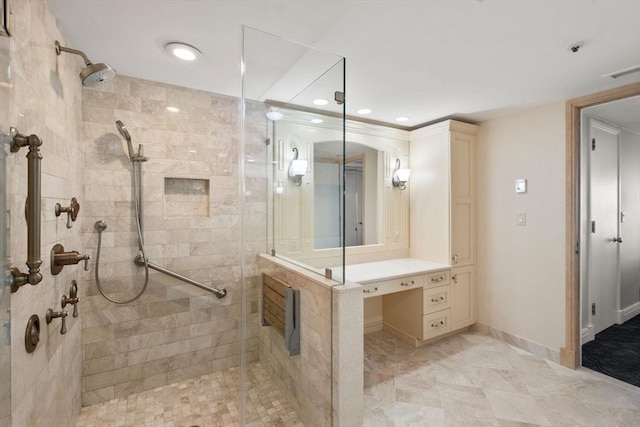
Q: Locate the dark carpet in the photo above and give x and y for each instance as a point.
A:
(616, 352)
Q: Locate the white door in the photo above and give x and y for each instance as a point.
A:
(603, 270)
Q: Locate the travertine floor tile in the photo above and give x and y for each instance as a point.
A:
(473, 380)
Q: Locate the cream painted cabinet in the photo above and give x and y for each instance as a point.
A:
(462, 199)
(443, 215)
(463, 297)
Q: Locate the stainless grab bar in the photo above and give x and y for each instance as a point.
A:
(33, 209)
(219, 292)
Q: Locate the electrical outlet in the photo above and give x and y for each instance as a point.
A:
(521, 218)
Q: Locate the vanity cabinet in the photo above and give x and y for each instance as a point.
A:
(421, 314)
(443, 218)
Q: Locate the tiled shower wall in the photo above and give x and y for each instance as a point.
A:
(44, 98)
(174, 331)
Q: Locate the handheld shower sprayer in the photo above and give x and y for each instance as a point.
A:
(133, 156)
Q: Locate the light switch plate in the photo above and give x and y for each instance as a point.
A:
(521, 185)
(521, 218)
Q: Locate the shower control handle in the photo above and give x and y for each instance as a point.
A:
(71, 211)
(60, 258)
(617, 239)
(72, 298)
(54, 315)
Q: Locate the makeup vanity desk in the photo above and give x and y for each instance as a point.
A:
(421, 300)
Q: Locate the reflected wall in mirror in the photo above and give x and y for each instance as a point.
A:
(362, 177)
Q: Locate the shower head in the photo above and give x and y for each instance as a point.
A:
(125, 134)
(92, 74)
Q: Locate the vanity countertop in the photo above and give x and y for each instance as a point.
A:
(389, 269)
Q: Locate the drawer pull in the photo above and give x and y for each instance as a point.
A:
(437, 325)
(370, 291)
(407, 283)
(437, 279)
(437, 299)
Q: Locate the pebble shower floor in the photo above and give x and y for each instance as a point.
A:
(208, 401)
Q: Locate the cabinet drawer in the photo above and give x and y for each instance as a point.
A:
(435, 324)
(437, 279)
(390, 286)
(436, 299)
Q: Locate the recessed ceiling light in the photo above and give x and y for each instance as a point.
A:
(401, 119)
(173, 109)
(316, 120)
(320, 101)
(183, 51)
(363, 111)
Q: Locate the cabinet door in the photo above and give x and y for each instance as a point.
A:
(463, 297)
(462, 199)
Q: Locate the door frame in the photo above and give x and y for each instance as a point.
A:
(570, 354)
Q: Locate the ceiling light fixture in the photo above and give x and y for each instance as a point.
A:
(320, 101)
(401, 119)
(173, 109)
(274, 115)
(316, 121)
(623, 72)
(363, 111)
(183, 51)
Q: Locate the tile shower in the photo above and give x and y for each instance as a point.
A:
(192, 226)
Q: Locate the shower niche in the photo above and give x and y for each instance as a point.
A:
(186, 197)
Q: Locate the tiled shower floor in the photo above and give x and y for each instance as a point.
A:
(207, 401)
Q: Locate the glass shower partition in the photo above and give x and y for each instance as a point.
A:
(5, 294)
(292, 98)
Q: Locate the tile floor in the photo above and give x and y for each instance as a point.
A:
(465, 380)
(474, 380)
(207, 401)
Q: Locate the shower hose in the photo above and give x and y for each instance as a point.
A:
(100, 226)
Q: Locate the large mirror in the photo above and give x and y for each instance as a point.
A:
(328, 194)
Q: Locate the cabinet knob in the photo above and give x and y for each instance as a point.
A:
(454, 278)
(455, 259)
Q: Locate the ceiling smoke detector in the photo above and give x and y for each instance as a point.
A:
(575, 47)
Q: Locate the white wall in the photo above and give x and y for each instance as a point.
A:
(630, 229)
(521, 270)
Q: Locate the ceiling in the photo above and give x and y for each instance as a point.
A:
(427, 60)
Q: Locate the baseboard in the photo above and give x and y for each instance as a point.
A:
(587, 335)
(374, 326)
(524, 344)
(400, 335)
(628, 313)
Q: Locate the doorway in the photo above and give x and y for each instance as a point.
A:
(610, 238)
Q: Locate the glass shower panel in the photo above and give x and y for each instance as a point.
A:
(5, 294)
(280, 126)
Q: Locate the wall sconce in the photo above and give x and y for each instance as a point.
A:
(298, 168)
(400, 176)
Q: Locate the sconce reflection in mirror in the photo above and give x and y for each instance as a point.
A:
(298, 168)
(400, 176)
